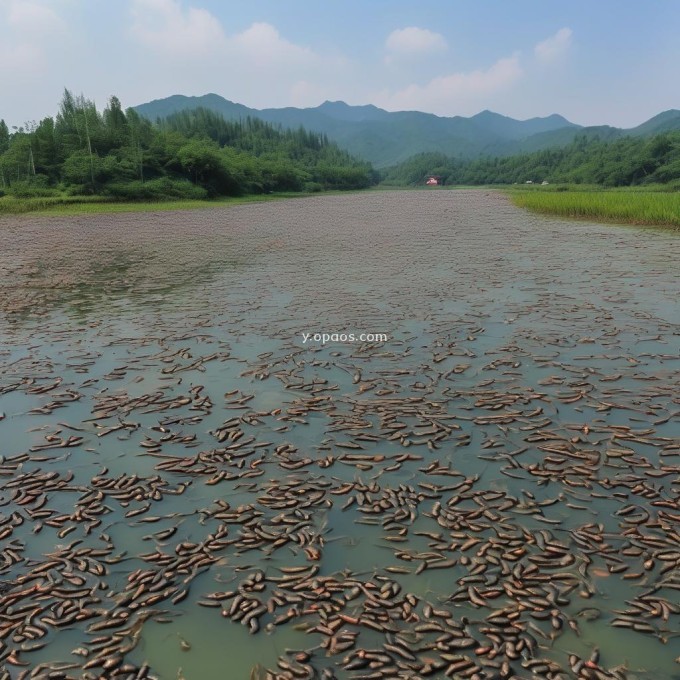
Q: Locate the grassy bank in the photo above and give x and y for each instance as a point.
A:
(88, 205)
(629, 206)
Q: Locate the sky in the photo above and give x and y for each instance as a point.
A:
(595, 62)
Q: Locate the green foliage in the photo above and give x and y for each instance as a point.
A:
(313, 187)
(636, 207)
(384, 138)
(11, 205)
(37, 186)
(4, 136)
(118, 154)
(628, 161)
(156, 189)
(85, 205)
(83, 169)
(202, 161)
(284, 160)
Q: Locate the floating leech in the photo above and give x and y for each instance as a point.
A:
(235, 502)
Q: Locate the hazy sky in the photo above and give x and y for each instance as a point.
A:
(594, 61)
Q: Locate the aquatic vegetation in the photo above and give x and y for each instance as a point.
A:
(623, 206)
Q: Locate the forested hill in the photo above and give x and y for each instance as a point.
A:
(628, 161)
(386, 138)
(376, 135)
(195, 154)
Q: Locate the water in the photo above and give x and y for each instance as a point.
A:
(538, 356)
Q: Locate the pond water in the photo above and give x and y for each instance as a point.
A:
(491, 490)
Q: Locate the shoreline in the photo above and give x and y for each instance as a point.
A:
(98, 207)
(574, 204)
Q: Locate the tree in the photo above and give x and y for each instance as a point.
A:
(190, 154)
(83, 170)
(139, 132)
(46, 150)
(201, 159)
(77, 124)
(4, 136)
(115, 124)
(67, 126)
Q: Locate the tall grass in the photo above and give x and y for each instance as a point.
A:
(617, 205)
(11, 205)
(79, 205)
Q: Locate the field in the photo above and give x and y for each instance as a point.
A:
(630, 205)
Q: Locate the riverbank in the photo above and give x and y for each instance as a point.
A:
(630, 205)
(652, 206)
(96, 205)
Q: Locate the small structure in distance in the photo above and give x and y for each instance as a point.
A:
(433, 181)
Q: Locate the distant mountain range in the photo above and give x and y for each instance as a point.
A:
(386, 138)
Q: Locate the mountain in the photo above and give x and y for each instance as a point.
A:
(382, 137)
(386, 138)
(668, 121)
(356, 114)
(520, 129)
(662, 122)
(161, 108)
(563, 137)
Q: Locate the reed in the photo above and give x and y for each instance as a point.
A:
(631, 206)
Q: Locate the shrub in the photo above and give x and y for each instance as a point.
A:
(156, 189)
(313, 187)
(31, 189)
